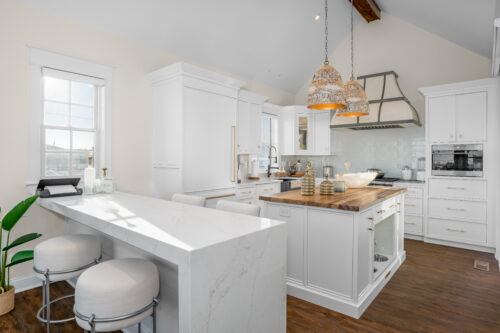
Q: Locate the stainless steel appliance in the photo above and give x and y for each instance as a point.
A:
(290, 184)
(457, 160)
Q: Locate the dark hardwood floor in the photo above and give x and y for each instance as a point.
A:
(436, 290)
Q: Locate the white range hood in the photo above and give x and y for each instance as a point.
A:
(389, 108)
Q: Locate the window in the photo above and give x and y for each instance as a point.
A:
(69, 122)
(70, 115)
(269, 137)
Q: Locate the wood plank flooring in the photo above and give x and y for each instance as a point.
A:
(436, 290)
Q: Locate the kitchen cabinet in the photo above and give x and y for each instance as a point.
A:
(413, 208)
(306, 132)
(458, 118)
(462, 211)
(471, 117)
(194, 126)
(248, 129)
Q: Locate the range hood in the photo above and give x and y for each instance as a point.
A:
(389, 108)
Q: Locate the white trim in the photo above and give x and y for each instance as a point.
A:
(41, 58)
(27, 282)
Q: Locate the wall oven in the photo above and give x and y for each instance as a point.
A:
(457, 160)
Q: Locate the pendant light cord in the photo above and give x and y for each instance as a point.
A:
(352, 40)
(326, 33)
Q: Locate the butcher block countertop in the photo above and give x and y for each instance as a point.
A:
(353, 199)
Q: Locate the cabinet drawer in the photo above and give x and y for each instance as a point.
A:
(245, 192)
(458, 189)
(413, 206)
(265, 189)
(455, 209)
(413, 225)
(414, 192)
(458, 231)
(383, 210)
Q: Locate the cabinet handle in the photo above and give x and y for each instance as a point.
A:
(221, 196)
(248, 192)
(455, 230)
(456, 209)
(391, 206)
(387, 275)
(412, 223)
(258, 146)
(371, 229)
(411, 205)
(371, 218)
(381, 211)
(460, 135)
(398, 211)
(451, 136)
(455, 188)
(234, 154)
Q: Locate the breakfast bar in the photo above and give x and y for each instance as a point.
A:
(342, 249)
(219, 271)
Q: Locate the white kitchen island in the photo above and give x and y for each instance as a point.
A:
(219, 271)
(333, 241)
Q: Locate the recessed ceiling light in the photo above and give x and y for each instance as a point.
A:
(316, 18)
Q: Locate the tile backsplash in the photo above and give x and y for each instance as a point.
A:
(387, 149)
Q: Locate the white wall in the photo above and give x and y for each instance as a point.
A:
(22, 25)
(420, 59)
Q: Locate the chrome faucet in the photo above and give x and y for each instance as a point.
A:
(269, 167)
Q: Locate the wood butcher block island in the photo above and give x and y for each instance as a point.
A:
(353, 199)
(341, 249)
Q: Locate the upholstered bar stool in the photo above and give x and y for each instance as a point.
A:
(62, 258)
(238, 207)
(117, 294)
(189, 199)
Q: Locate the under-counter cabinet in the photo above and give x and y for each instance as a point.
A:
(413, 208)
(462, 211)
(331, 251)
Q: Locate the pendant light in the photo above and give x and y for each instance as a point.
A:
(327, 89)
(356, 100)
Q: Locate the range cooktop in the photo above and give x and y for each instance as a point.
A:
(384, 181)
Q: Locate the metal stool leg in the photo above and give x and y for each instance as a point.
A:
(47, 295)
(154, 314)
(139, 329)
(43, 299)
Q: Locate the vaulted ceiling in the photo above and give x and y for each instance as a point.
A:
(276, 42)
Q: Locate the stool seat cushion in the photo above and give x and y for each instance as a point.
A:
(66, 253)
(116, 288)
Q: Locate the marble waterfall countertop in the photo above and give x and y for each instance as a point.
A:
(219, 271)
(353, 199)
(170, 229)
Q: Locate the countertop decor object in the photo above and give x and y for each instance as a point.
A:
(326, 187)
(355, 96)
(311, 171)
(7, 300)
(307, 184)
(406, 173)
(338, 186)
(327, 88)
(356, 180)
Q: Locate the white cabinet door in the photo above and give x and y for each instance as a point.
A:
(287, 131)
(441, 122)
(208, 140)
(296, 219)
(321, 133)
(304, 140)
(365, 250)
(330, 252)
(248, 128)
(471, 116)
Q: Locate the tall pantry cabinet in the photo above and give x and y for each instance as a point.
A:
(193, 130)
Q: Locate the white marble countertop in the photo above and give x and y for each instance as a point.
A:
(173, 229)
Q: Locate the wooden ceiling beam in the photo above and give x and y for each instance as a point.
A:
(368, 9)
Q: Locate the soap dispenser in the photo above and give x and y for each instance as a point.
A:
(107, 184)
(89, 183)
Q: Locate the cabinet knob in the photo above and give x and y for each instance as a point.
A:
(460, 135)
(451, 136)
(258, 146)
(238, 146)
(371, 229)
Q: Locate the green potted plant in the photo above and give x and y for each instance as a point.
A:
(8, 222)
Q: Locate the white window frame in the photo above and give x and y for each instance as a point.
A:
(40, 59)
(277, 119)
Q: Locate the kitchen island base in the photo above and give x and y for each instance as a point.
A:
(341, 259)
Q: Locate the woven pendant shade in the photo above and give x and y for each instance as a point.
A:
(356, 101)
(327, 90)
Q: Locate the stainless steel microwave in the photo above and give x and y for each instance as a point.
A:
(457, 160)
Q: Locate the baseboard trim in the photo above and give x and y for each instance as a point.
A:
(24, 283)
(459, 245)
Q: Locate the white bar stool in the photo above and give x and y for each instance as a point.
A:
(238, 207)
(189, 199)
(62, 258)
(117, 294)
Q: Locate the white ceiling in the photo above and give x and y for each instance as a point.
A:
(276, 42)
